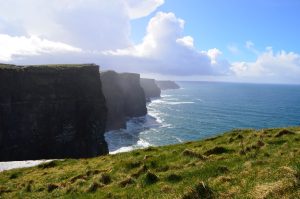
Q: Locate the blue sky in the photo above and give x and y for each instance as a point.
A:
(221, 24)
(234, 40)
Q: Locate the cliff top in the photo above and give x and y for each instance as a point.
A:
(57, 66)
(241, 163)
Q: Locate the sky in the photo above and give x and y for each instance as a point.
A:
(234, 40)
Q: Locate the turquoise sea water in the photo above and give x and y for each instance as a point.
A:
(203, 109)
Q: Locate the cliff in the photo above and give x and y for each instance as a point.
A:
(165, 85)
(150, 88)
(125, 98)
(55, 111)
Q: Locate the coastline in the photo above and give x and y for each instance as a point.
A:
(134, 126)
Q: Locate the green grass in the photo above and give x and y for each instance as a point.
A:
(239, 164)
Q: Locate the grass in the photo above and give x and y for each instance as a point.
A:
(239, 164)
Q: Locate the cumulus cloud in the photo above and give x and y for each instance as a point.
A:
(90, 24)
(98, 31)
(138, 8)
(270, 66)
(14, 47)
(168, 51)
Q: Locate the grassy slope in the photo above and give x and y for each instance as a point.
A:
(246, 164)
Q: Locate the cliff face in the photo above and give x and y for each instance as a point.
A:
(150, 88)
(51, 112)
(125, 98)
(165, 85)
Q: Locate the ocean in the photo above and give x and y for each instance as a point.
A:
(204, 109)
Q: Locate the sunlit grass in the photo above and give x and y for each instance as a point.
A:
(240, 164)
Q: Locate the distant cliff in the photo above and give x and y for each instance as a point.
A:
(165, 85)
(150, 88)
(55, 111)
(125, 98)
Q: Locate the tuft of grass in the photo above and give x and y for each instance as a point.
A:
(174, 178)
(47, 165)
(150, 178)
(126, 182)
(105, 178)
(193, 154)
(200, 191)
(93, 187)
(14, 175)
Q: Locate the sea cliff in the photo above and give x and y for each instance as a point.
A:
(165, 85)
(125, 98)
(51, 111)
(150, 88)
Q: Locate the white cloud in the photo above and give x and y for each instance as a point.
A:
(233, 49)
(270, 67)
(138, 8)
(186, 41)
(90, 24)
(13, 47)
(250, 46)
(77, 31)
(166, 50)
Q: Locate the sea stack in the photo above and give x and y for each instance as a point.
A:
(51, 111)
(125, 98)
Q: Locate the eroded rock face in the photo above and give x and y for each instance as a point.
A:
(51, 112)
(125, 98)
(150, 88)
(165, 85)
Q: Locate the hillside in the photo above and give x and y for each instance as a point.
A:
(239, 164)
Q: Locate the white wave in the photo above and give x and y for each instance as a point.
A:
(176, 103)
(20, 164)
(139, 145)
(123, 140)
(165, 95)
(178, 139)
(201, 100)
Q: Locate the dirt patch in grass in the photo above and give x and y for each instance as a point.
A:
(193, 154)
(284, 132)
(51, 187)
(217, 150)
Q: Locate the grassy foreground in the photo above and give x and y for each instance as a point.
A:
(238, 164)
